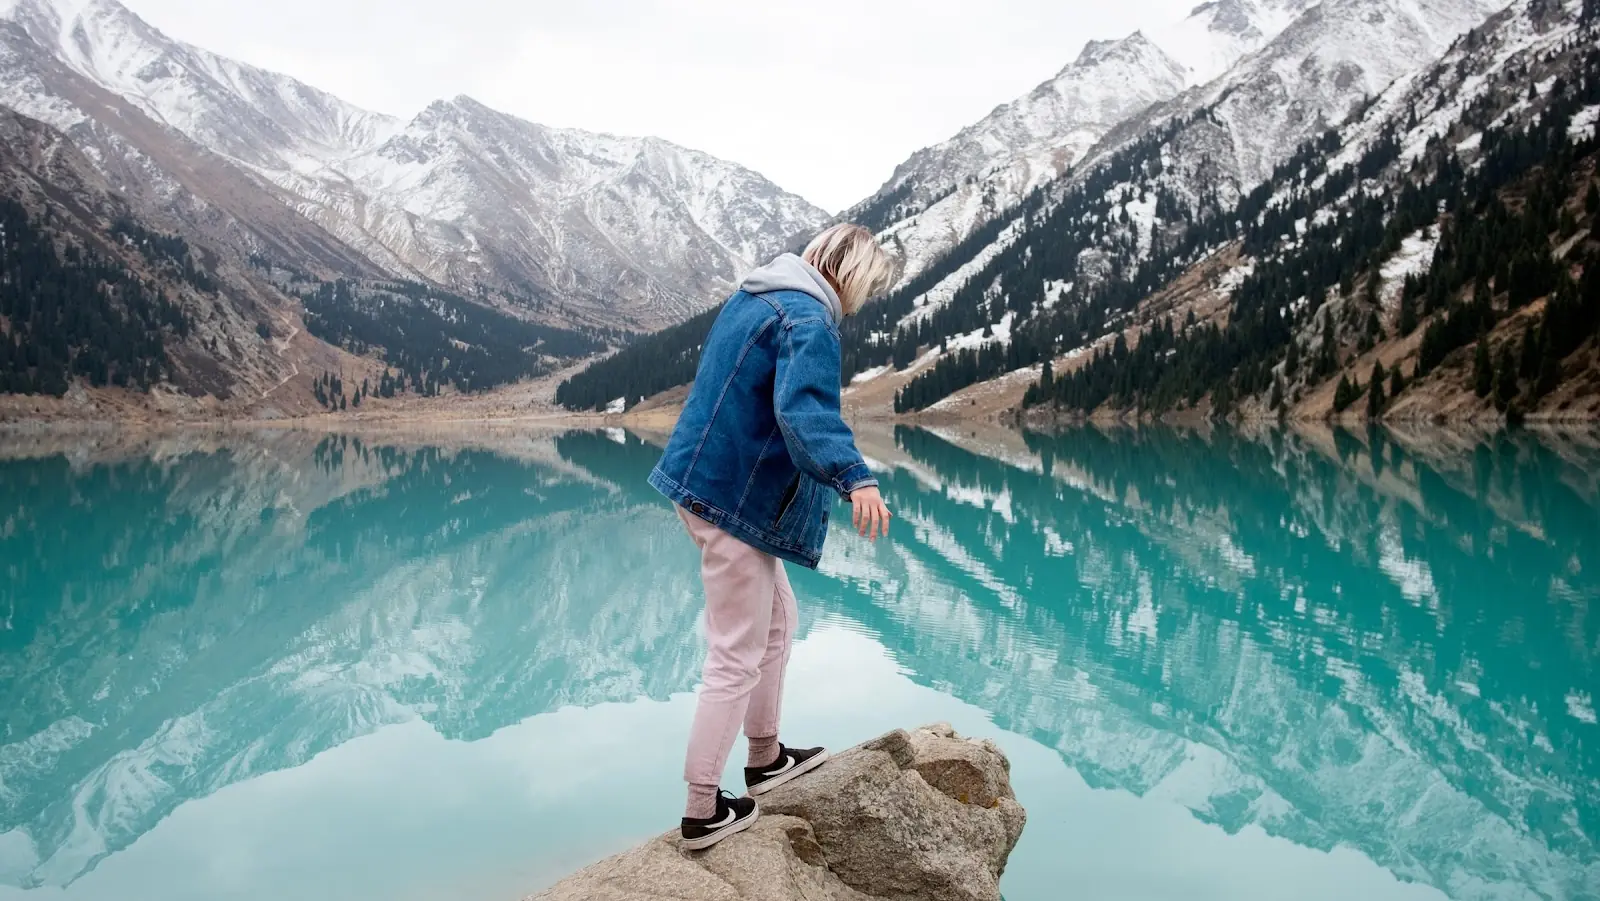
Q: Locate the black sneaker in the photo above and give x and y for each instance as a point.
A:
(791, 762)
(733, 815)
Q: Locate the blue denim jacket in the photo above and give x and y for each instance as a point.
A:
(760, 450)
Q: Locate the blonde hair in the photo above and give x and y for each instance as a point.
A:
(853, 260)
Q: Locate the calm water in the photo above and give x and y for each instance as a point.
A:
(1311, 667)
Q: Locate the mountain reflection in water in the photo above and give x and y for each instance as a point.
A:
(1374, 642)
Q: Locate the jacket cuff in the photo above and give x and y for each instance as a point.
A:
(857, 476)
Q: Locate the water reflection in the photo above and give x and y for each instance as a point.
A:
(1381, 652)
(177, 626)
(1372, 641)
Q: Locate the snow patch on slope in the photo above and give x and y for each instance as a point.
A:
(1413, 258)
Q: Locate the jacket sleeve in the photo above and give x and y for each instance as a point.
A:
(805, 396)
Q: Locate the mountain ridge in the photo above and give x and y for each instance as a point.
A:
(942, 193)
(613, 258)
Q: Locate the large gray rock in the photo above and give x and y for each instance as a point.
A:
(924, 815)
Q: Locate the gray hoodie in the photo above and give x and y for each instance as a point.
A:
(790, 273)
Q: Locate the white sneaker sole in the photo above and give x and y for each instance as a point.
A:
(733, 828)
(795, 773)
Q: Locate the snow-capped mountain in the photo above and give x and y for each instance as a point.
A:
(941, 193)
(1219, 33)
(1205, 148)
(622, 231)
(1311, 77)
(984, 256)
(245, 113)
(639, 229)
(56, 62)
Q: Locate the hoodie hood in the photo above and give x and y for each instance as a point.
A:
(790, 273)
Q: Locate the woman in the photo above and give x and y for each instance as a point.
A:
(752, 466)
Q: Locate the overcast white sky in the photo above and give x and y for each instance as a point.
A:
(824, 97)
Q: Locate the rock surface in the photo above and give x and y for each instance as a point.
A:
(925, 814)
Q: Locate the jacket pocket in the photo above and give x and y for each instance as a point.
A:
(787, 501)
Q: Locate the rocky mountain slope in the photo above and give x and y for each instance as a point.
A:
(617, 231)
(1453, 211)
(172, 180)
(623, 231)
(93, 297)
(938, 196)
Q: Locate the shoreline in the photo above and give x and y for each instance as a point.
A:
(657, 420)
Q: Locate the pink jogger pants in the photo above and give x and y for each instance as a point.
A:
(750, 622)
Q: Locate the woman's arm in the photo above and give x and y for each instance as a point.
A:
(805, 397)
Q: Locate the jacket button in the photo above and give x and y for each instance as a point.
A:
(697, 508)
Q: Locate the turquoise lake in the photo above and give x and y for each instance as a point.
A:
(1318, 665)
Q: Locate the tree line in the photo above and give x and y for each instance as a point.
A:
(1490, 260)
(68, 311)
(166, 253)
(433, 338)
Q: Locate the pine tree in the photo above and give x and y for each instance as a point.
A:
(1291, 363)
(1549, 373)
(1397, 382)
(1222, 398)
(1345, 394)
(1482, 369)
(1528, 365)
(1408, 313)
(1505, 386)
(1375, 391)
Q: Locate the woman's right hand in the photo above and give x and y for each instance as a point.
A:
(869, 513)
